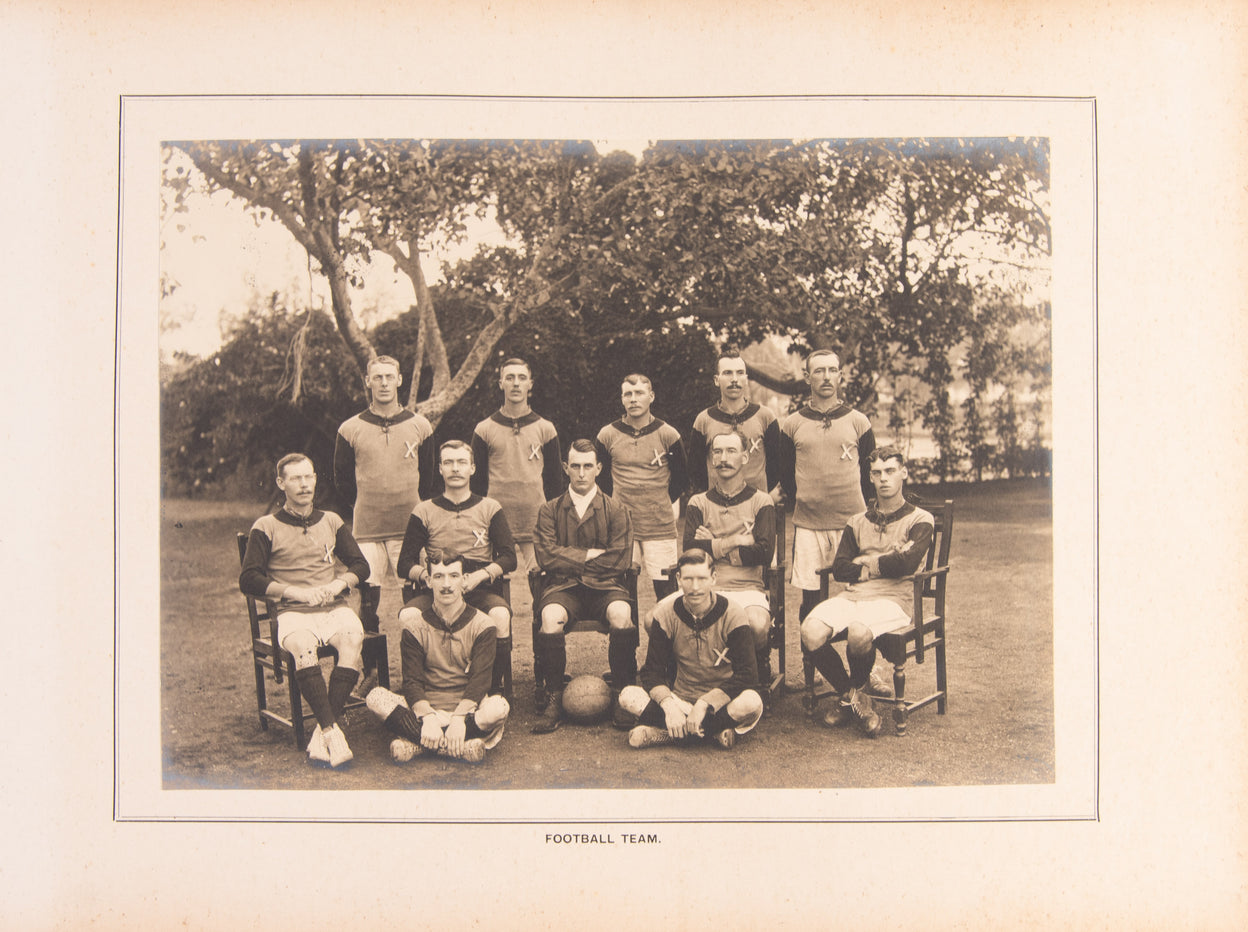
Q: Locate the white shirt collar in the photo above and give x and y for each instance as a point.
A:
(582, 502)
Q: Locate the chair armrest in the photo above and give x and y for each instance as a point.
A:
(930, 574)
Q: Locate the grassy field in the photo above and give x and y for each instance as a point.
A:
(998, 730)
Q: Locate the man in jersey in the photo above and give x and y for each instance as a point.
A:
(643, 468)
(383, 465)
(879, 552)
(736, 412)
(736, 524)
(447, 654)
(824, 448)
(305, 560)
(706, 639)
(517, 457)
(460, 521)
(585, 543)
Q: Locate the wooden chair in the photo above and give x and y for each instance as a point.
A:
(411, 590)
(925, 633)
(538, 580)
(267, 654)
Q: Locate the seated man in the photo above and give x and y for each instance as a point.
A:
(878, 555)
(447, 653)
(707, 640)
(584, 541)
(296, 558)
(736, 524)
(460, 521)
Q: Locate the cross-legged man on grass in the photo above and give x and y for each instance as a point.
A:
(879, 552)
(448, 653)
(706, 639)
(584, 541)
(305, 560)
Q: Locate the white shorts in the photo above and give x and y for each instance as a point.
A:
(383, 559)
(812, 551)
(746, 598)
(879, 615)
(324, 623)
(656, 556)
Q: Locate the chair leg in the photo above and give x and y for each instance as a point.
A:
(942, 683)
(380, 656)
(899, 694)
(262, 701)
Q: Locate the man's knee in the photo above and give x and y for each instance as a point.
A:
(619, 616)
(760, 623)
(858, 639)
(492, 712)
(746, 708)
(302, 645)
(815, 633)
(502, 620)
(381, 702)
(634, 699)
(349, 645)
(554, 617)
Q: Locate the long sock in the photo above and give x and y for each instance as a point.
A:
(312, 685)
(622, 657)
(403, 722)
(860, 666)
(762, 657)
(341, 681)
(502, 664)
(716, 722)
(829, 663)
(663, 588)
(554, 659)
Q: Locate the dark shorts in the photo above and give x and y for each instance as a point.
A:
(481, 598)
(582, 602)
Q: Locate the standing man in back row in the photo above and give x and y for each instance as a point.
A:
(756, 424)
(383, 466)
(643, 468)
(825, 450)
(518, 463)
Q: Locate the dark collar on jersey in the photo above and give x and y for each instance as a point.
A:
(715, 412)
(515, 423)
(295, 521)
(371, 417)
(880, 520)
(826, 416)
(446, 504)
(716, 497)
(700, 624)
(434, 620)
(624, 428)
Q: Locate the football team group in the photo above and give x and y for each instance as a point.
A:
(454, 523)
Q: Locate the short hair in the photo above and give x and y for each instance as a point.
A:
(732, 432)
(291, 458)
(886, 452)
(822, 352)
(731, 351)
(384, 361)
(695, 556)
(456, 445)
(583, 446)
(514, 361)
(444, 557)
(636, 378)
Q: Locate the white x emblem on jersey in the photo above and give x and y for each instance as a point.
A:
(479, 534)
(749, 525)
(410, 452)
(657, 459)
(329, 554)
(720, 657)
(847, 449)
(534, 451)
(755, 443)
